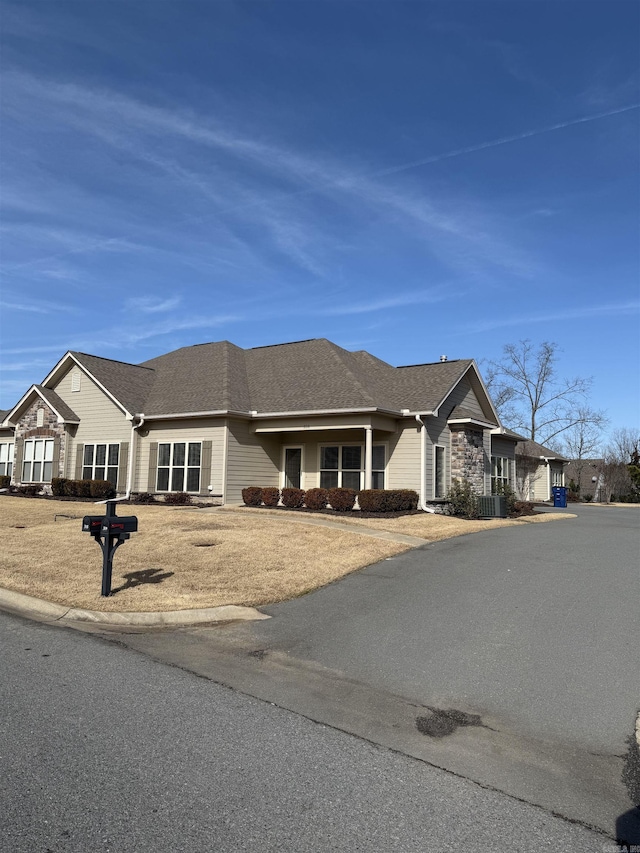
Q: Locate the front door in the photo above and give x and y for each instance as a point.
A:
(292, 467)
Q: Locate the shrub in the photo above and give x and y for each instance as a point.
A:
(5, 481)
(270, 496)
(316, 499)
(101, 489)
(77, 488)
(524, 508)
(58, 485)
(143, 498)
(292, 498)
(252, 496)
(506, 490)
(588, 498)
(178, 498)
(388, 500)
(462, 500)
(29, 491)
(342, 500)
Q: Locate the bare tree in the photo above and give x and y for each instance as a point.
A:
(533, 400)
(581, 443)
(620, 467)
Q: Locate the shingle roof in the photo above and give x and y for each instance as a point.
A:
(313, 375)
(532, 448)
(128, 383)
(58, 404)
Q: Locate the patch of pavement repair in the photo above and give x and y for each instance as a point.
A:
(443, 722)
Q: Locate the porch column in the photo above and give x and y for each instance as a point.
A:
(368, 456)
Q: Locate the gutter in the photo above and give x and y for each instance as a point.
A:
(423, 470)
(132, 455)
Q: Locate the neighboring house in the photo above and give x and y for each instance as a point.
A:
(586, 475)
(538, 469)
(213, 418)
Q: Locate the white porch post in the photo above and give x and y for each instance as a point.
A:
(368, 456)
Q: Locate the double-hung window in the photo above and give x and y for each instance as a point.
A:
(439, 480)
(37, 461)
(179, 466)
(100, 462)
(500, 472)
(342, 466)
(6, 458)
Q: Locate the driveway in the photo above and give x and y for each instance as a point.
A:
(530, 634)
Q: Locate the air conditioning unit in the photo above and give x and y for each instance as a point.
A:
(492, 506)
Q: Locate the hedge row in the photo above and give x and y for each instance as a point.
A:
(341, 500)
(63, 487)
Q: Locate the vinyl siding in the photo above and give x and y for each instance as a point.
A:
(252, 460)
(101, 421)
(403, 467)
(201, 429)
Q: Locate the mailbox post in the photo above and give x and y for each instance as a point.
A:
(109, 531)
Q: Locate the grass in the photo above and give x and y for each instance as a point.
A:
(182, 558)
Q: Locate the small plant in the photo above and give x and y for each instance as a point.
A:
(588, 498)
(29, 491)
(316, 499)
(252, 496)
(178, 498)
(270, 496)
(101, 489)
(292, 498)
(507, 492)
(342, 500)
(5, 481)
(462, 499)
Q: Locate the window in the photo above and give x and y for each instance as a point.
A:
(500, 472)
(438, 471)
(100, 462)
(343, 466)
(6, 458)
(556, 477)
(179, 467)
(37, 462)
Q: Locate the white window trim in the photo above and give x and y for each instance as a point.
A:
(186, 467)
(508, 480)
(434, 484)
(10, 457)
(106, 465)
(361, 445)
(33, 461)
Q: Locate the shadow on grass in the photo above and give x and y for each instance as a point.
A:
(133, 579)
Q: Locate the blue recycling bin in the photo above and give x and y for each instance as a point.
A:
(559, 496)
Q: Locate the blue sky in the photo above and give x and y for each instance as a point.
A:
(410, 178)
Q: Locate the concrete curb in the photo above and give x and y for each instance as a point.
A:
(48, 611)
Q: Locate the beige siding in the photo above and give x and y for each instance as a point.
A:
(252, 460)
(101, 421)
(200, 429)
(403, 467)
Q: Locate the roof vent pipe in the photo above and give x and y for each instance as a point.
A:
(443, 358)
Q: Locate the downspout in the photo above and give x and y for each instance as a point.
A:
(423, 468)
(132, 456)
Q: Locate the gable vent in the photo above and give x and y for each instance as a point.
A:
(75, 380)
(40, 417)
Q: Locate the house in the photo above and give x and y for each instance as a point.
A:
(587, 476)
(538, 470)
(213, 418)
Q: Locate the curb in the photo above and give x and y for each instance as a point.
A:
(48, 611)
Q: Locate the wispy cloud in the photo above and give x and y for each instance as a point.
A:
(152, 305)
(400, 301)
(620, 309)
(35, 307)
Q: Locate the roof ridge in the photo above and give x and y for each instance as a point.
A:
(345, 365)
(112, 360)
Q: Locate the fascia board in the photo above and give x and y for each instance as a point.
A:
(25, 397)
(477, 421)
(473, 366)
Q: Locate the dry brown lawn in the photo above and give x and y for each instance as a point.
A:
(184, 558)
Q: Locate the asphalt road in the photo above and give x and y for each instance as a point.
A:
(103, 749)
(531, 632)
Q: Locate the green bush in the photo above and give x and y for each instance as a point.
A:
(388, 500)
(342, 500)
(252, 496)
(507, 492)
(178, 498)
(58, 486)
(5, 481)
(270, 496)
(292, 498)
(462, 499)
(316, 499)
(101, 489)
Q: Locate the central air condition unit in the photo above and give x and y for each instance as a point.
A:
(492, 506)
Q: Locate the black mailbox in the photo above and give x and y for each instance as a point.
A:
(116, 524)
(92, 524)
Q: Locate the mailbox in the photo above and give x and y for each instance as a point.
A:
(92, 524)
(116, 524)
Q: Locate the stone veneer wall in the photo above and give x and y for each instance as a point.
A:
(467, 457)
(27, 427)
